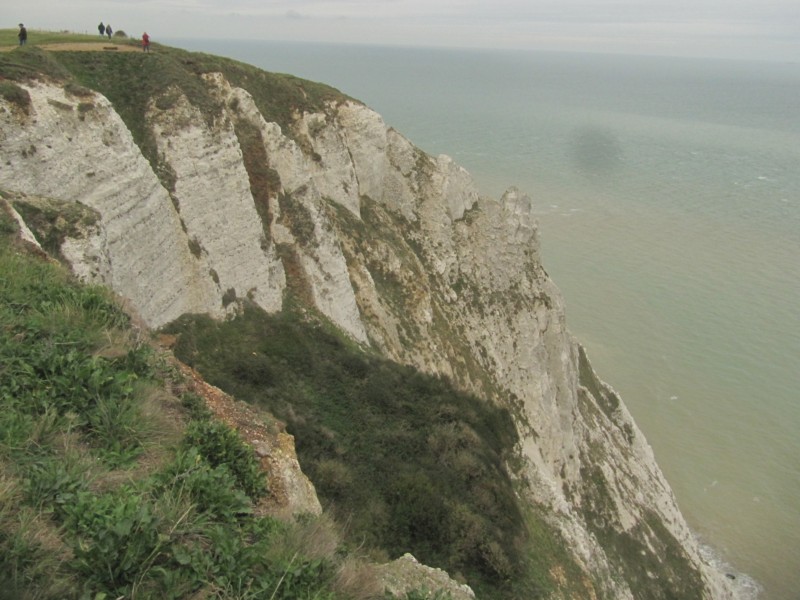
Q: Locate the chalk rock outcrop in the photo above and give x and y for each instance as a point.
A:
(407, 574)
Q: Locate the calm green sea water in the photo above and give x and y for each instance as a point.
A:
(668, 193)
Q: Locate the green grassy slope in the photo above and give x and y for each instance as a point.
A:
(109, 485)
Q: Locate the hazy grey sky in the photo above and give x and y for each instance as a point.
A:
(726, 28)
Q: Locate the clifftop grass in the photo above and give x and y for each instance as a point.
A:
(36, 37)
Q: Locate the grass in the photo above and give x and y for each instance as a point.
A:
(409, 463)
(8, 37)
(86, 510)
(52, 221)
(264, 181)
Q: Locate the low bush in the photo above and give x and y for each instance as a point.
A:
(53, 483)
(115, 538)
(221, 446)
(212, 489)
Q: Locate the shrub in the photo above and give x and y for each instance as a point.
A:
(213, 489)
(53, 221)
(15, 95)
(50, 368)
(116, 538)
(196, 406)
(8, 225)
(242, 569)
(220, 445)
(54, 483)
(74, 89)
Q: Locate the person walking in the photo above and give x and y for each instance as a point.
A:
(22, 35)
(101, 28)
(145, 42)
(109, 31)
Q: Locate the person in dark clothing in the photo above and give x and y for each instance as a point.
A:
(22, 35)
(109, 31)
(101, 28)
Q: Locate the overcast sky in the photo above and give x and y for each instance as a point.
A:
(761, 29)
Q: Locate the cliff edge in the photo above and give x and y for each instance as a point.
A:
(191, 184)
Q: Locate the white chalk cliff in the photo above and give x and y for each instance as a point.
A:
(395, 247)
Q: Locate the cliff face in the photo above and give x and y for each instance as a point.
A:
(395, 247)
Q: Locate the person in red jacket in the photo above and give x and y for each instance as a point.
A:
(145, 42)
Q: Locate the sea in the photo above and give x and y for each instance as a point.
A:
(667, 192)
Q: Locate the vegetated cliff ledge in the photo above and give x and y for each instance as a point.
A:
(192, 184)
